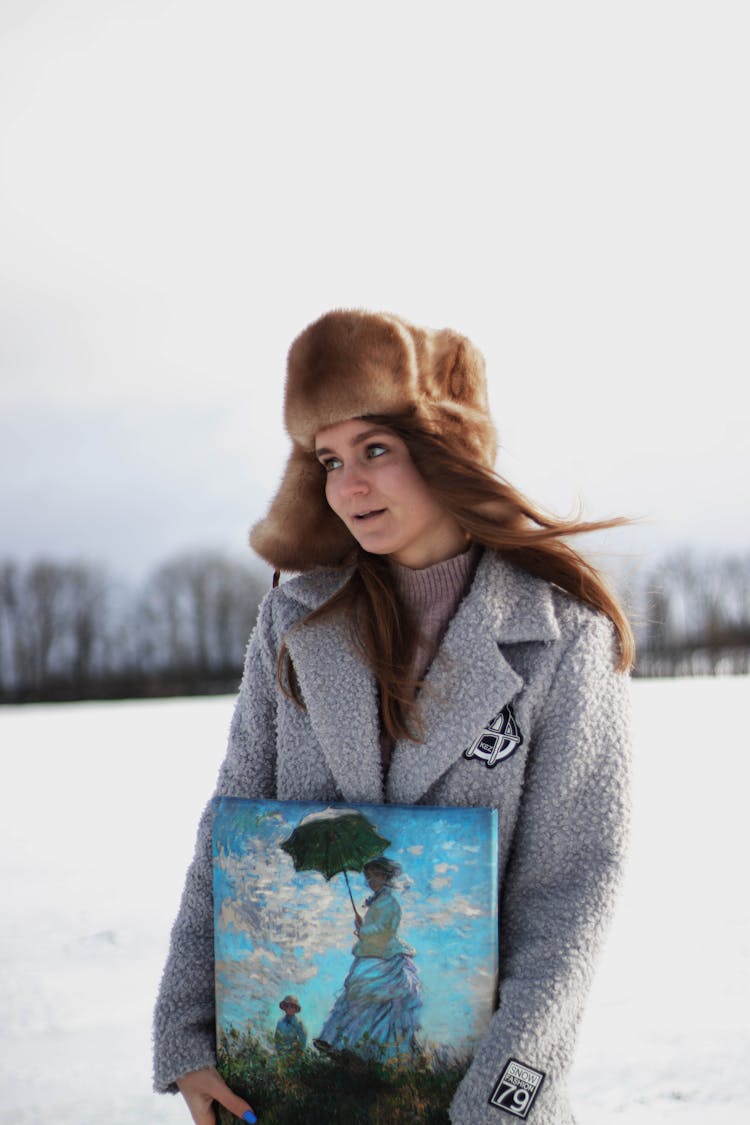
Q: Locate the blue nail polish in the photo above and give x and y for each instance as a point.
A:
(248, 1115)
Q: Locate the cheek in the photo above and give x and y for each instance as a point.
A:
(418, 496)
(330, 492)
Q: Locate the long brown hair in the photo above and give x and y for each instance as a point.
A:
(494, 514)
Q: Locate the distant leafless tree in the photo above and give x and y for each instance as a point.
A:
(53, 619)
(66, 630)
(196, 613)
(697, 614)
(8, 624)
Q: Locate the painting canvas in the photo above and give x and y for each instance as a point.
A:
(356, 956)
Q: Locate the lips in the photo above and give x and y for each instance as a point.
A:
(362, 516)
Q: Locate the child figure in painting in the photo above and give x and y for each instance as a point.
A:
(376, 1015)
(290, 1035)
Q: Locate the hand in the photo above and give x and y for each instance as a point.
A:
(200, 1088)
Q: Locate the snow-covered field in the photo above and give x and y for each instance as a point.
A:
(98, 805)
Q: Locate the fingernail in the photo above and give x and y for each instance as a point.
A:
(249, 1116)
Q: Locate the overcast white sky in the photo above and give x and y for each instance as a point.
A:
(185, 185)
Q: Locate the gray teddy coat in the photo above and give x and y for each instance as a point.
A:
(562, 797)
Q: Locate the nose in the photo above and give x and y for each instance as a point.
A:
(352, 481)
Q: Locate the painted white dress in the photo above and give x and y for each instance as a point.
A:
(376, 1014)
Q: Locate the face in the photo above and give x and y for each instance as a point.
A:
(290, 1009)
(373, 485)
(375, 877)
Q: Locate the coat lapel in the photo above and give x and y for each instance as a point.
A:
(456, 702)
(470, 680)
(342, 704)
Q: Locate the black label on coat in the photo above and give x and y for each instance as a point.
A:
(499, 739)
(518, 1086)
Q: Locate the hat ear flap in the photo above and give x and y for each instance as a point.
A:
(458, 372)
(300, 531)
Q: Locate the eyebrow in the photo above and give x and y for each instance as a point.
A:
(357, 440)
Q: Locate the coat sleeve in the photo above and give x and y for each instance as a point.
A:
(184, 1019)
(560, 881)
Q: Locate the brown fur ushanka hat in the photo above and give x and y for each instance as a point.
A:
(351, 364)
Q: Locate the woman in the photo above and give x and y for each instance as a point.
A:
(376, 1014)
(439, 612)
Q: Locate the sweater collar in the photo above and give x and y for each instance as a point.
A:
(442, 584)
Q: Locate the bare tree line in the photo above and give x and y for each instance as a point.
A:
(70, 631)
(692, 615)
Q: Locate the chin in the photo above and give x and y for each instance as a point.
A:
(376, 548)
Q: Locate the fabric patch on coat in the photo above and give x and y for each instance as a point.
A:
(499, 739)
(518, 1086)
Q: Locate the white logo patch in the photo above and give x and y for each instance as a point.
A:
(499, 739)
(518, 1086)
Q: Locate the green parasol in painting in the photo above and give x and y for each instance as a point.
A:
(334, 841)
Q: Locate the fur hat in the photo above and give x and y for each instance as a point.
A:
(351, 364)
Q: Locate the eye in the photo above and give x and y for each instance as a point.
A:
(330, 463)
(376, 449)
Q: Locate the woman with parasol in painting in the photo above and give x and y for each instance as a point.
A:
(443, 644)
(376, 1014)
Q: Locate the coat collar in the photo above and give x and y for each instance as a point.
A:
(469, 681)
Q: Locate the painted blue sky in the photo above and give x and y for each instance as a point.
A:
(280, 931)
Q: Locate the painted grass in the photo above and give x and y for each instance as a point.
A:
(306, 1086)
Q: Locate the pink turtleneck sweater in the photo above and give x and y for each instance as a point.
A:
(432, 596)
